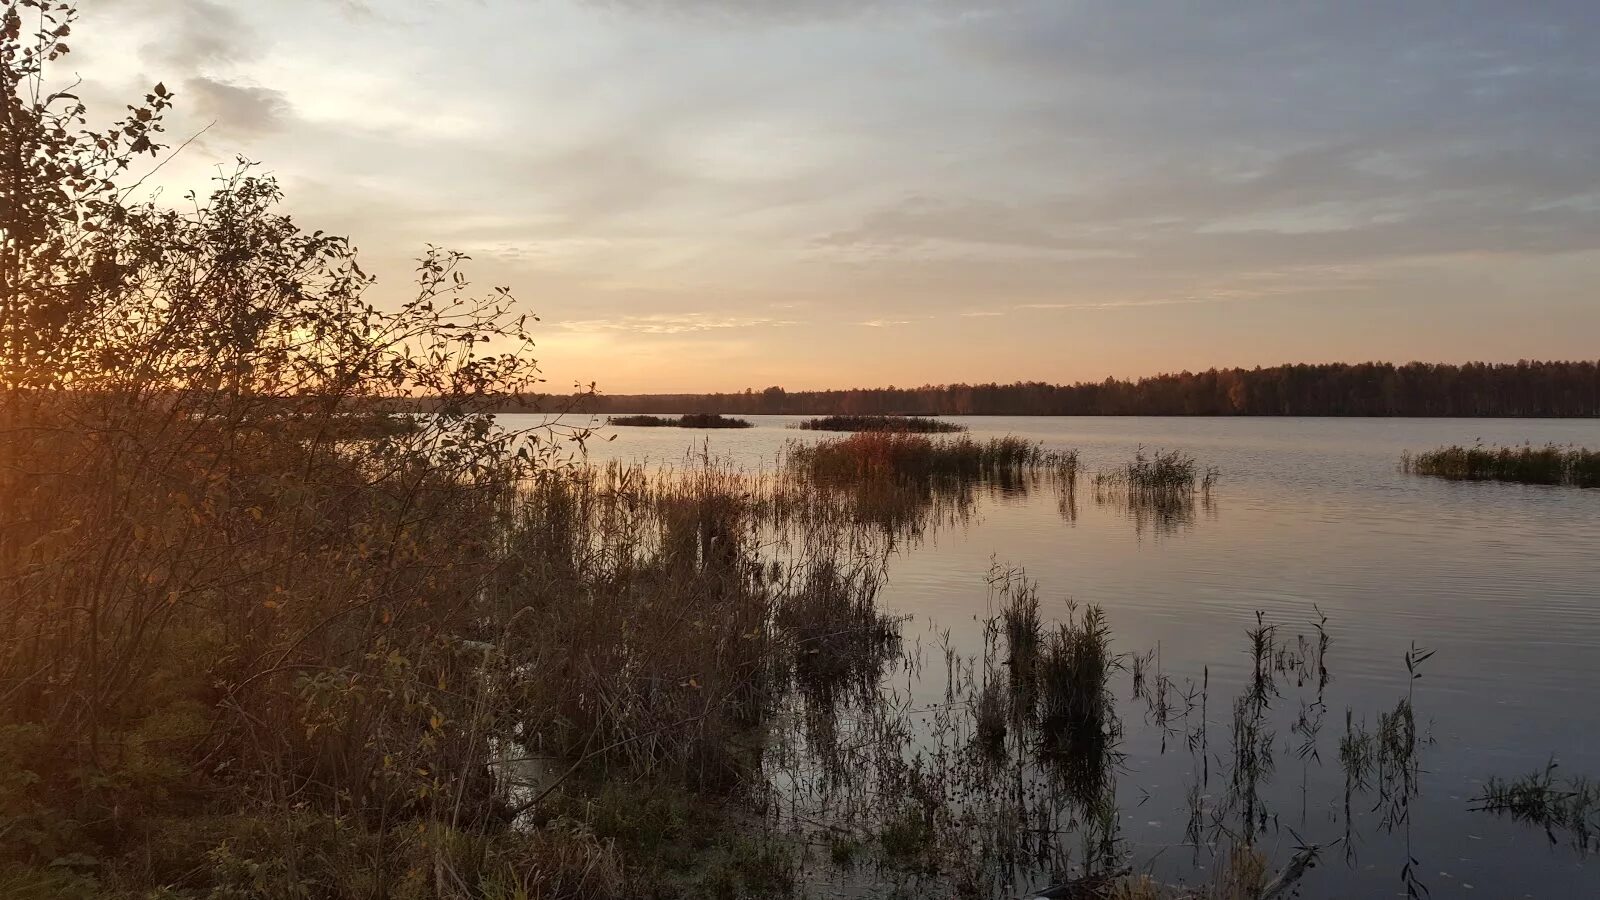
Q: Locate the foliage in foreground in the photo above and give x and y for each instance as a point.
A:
(1550, 464)
(261, 639)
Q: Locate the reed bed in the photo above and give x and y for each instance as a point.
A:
(1161, 491)
(909, 424)
(692, 420)
(1169, 473)
(1527, 464)
(900, 455)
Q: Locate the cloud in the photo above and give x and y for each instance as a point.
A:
(943, 162)
(671, 323)
(199, 34)
(237, 108)
(768, 12)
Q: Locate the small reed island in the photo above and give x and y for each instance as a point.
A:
(697, 420)
(910, 424)
(1527, 464)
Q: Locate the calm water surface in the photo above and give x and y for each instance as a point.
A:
(1502, 582)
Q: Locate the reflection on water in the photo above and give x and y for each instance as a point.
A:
(1015, 778)
(1233, 744)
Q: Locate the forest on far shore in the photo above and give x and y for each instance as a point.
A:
(1520, 389)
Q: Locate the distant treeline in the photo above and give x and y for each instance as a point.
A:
(1555, 389)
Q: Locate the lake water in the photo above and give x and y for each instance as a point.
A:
(1501, 582)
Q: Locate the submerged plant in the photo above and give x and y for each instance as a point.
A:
(1568, 805)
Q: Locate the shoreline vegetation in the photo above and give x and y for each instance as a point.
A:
(1527, 464)
(910, 424)
(691, 420)
(1524, 389)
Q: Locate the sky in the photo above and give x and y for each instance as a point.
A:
(700, 195)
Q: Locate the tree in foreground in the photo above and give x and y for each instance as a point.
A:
(235, 584)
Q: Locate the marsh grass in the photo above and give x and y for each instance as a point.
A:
(1527, 464)
(992, 713)
(1170, 472)
(907, 424)
(1076, 705)
(1159, 491)
(692, 420)
(879, 454)
(1024, 636)
(838, 639)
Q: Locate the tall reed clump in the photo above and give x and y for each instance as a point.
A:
(1078, 724)
(1527, 464)
(877, 454)
(638, 633)
(1023, 631)
(1162, 489)
(1172, 473)
(909, 424)
(839, 638)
